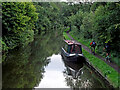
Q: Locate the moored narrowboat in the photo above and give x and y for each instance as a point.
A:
(72, 51)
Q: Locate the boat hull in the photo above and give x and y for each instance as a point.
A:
(72, 57)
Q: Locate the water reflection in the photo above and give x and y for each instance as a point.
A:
(73, 69)
(24, 67)
(39, 65)
(78, 75)
(53, 77)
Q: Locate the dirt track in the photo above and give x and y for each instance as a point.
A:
(113, 65)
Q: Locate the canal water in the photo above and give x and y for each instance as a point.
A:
(40, 65)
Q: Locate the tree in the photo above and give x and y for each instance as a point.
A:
(87, 27)
(107, 24)
(18, 21)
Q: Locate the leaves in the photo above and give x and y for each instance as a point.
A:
(18, 23)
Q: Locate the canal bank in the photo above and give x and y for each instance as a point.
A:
(101, 66)
(99, 74)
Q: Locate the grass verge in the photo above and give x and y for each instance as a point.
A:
(107, 71)
(66, 36)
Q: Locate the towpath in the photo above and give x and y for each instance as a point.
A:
(113, 65)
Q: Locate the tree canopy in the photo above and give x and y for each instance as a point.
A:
(100, 21)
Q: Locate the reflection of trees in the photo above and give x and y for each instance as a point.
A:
(79, 82)
(24, 68)
(81, 78)
(72, 73)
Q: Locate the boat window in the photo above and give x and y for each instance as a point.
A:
(76, 49)
(66, 46)
(69, 48)
(72, 49)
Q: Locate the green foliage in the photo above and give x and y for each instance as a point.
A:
(49, 16)
(18, 20)
(107, 30)
(66, 36)
(98, 21)
(3, 46)
(0, 10)
(67, 29)
(42, 21)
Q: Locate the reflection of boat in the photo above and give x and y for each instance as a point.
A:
(73, 69)
(72, 51)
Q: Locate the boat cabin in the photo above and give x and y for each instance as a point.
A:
(72, 51)
(72, 47)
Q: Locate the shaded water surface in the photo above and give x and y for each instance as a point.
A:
(40, 65)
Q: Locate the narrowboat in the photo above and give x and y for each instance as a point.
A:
(72, 51)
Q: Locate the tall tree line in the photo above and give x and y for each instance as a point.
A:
(98, 21)
(22, 20)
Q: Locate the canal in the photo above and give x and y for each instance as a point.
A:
(40, 65)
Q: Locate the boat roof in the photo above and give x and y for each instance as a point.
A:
(70, 42)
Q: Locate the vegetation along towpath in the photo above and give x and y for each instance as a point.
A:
(113, 65)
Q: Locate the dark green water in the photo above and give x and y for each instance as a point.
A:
(40, 65)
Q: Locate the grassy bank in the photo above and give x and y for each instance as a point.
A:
(103, 54)
(105, 69)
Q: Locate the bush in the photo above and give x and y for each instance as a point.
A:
(18, 19)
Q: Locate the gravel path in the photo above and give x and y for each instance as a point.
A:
(113, 65)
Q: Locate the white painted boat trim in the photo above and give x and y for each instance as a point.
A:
(75, 54)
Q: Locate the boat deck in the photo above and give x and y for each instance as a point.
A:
(70, 42)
